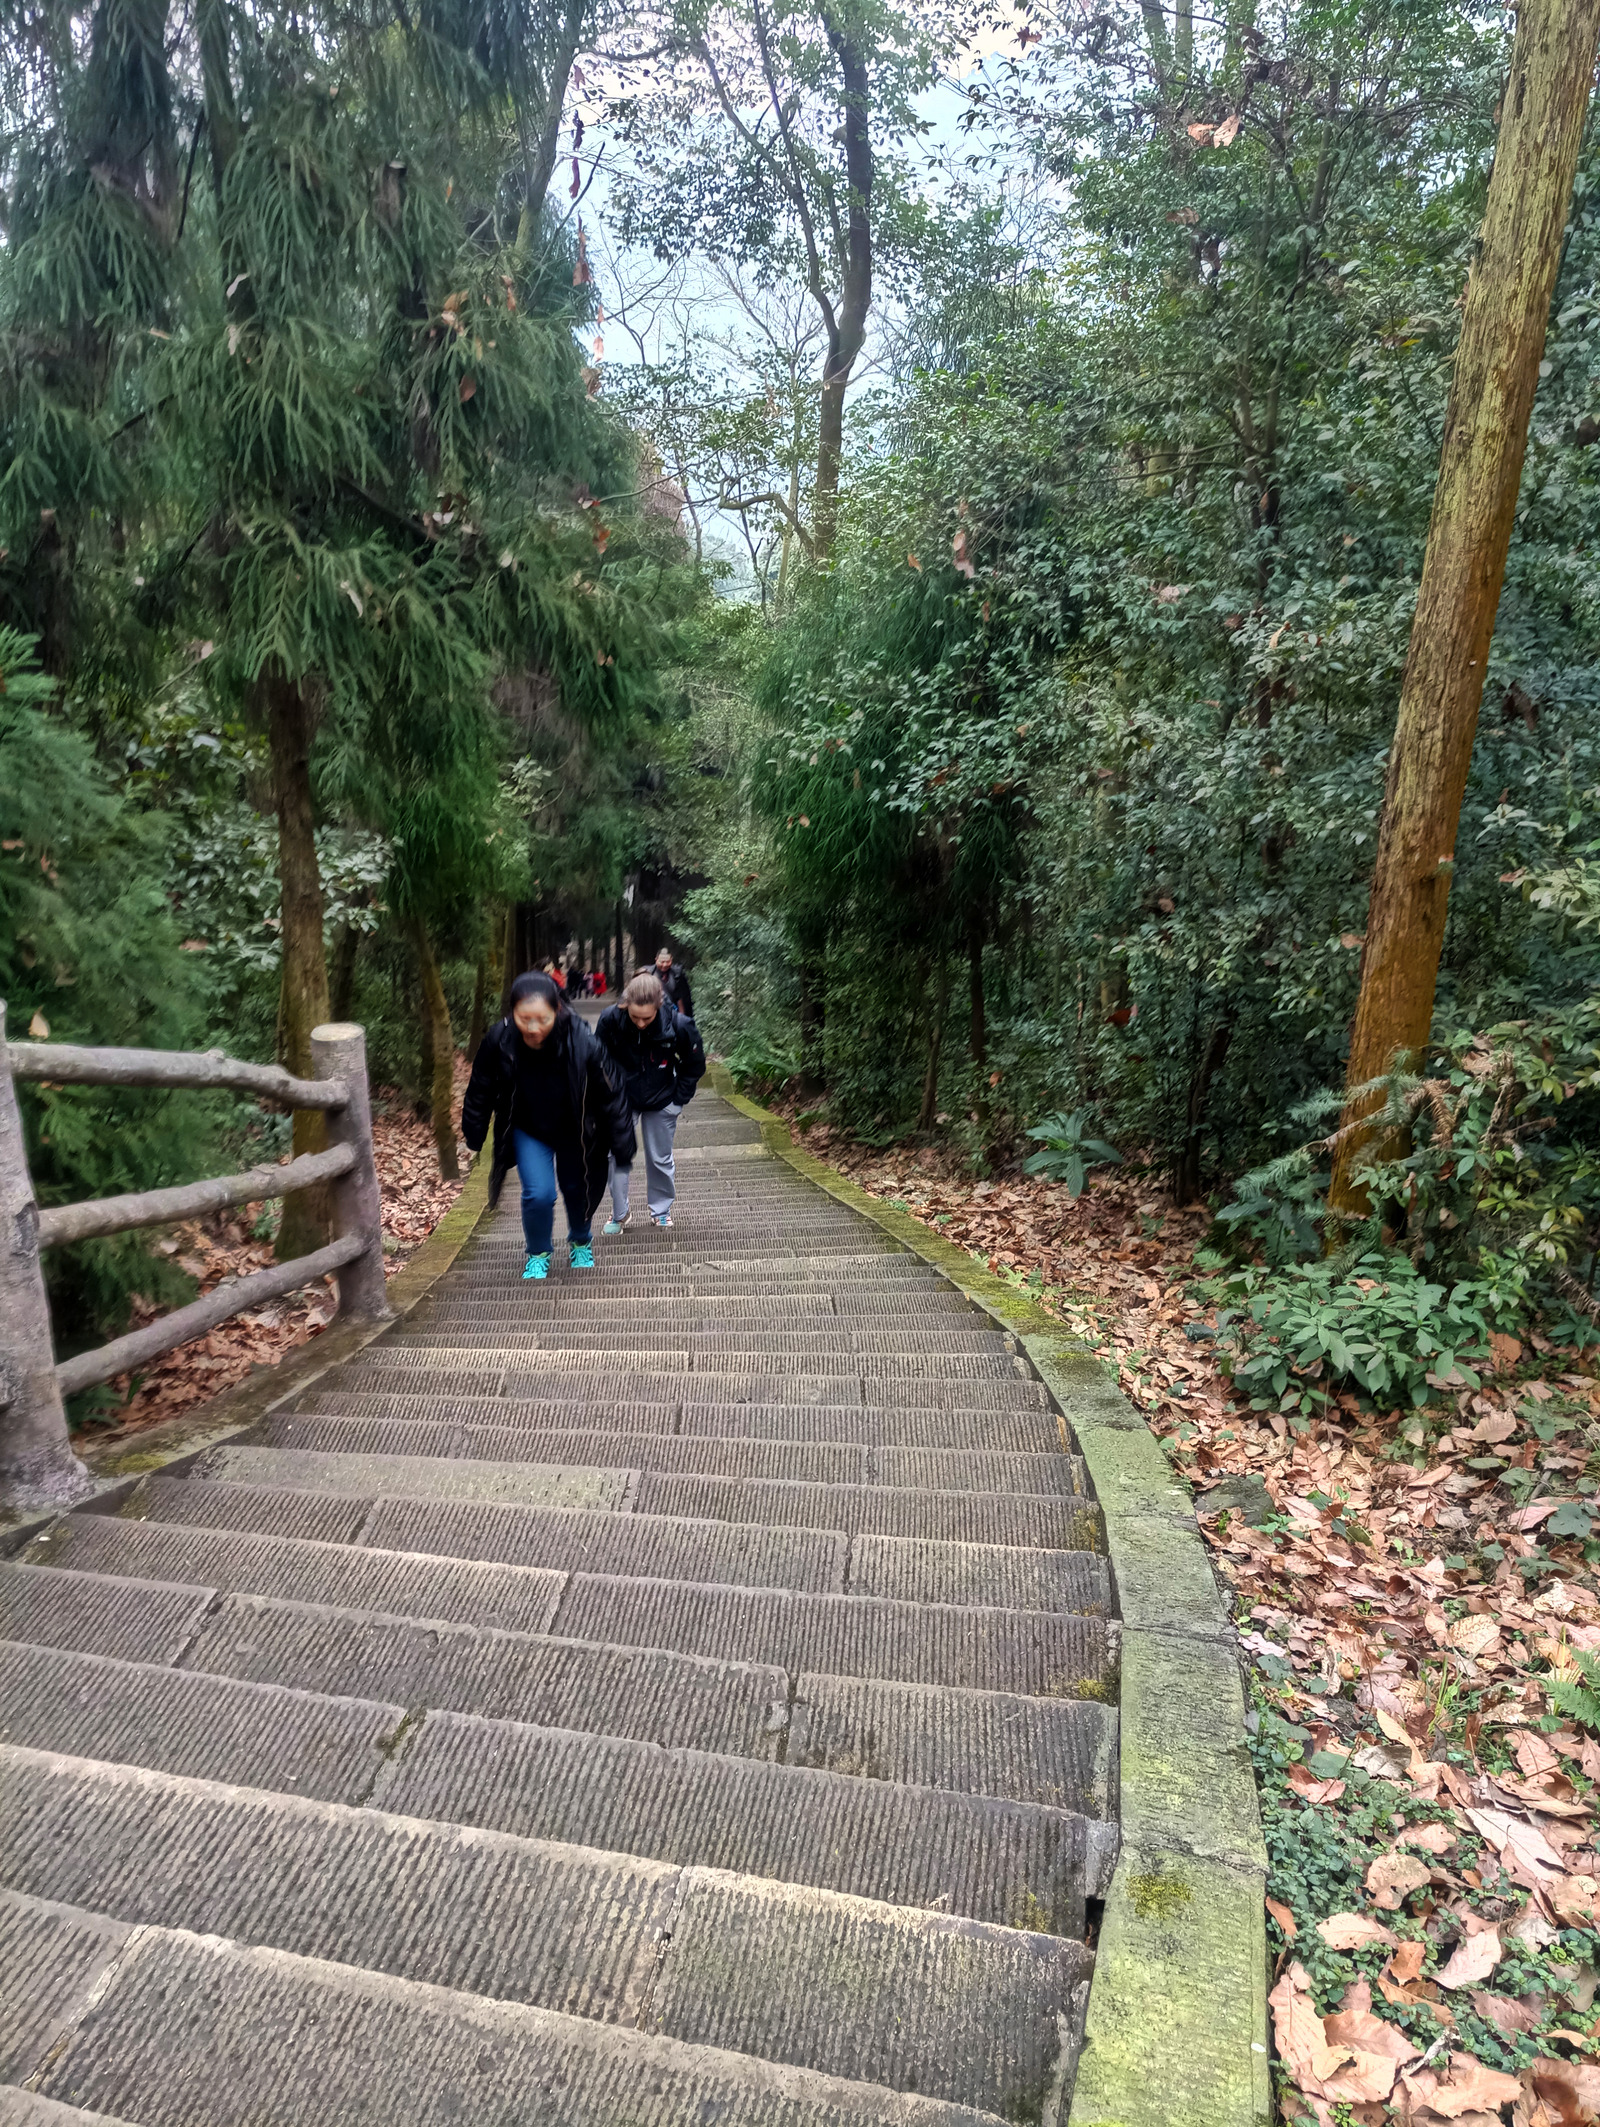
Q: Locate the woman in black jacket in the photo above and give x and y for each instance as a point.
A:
(658, 1056)
(557, 1115)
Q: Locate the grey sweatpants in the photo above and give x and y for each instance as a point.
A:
(656, 1131)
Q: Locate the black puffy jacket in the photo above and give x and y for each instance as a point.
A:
(605, 1127)
(658, 1064)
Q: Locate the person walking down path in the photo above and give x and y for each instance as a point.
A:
(559, 1118)
(658, 1055)
(674, 982)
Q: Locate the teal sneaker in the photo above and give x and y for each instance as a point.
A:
(538, 1266)
(621, 1225)
(583, 1255)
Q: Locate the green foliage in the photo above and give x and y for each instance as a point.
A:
(89, 952)
(1578, 1698)
(1069, 1152)
(1303, 1331)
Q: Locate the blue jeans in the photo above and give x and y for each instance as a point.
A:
(536, 1164)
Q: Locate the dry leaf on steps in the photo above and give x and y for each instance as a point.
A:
(1302, 2043)
(1472, 1960)
(1353, 1931)
(1535, 1754)
(1525, 1851)
(1406, 1963)
(1391, 1877)
(1506, 2013)
(1431, 1838)
(1378, 2048)
(1466, 2086)
(1311, 1788)
(1285, 1919)
(1570, 2089)
(1475, 1636)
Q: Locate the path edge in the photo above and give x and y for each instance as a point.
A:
(114, 1465)
(1177, 2017)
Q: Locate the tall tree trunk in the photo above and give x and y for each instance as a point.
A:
(441, 1053)
(342, 975)
(1186, 1168)
(847, 326)
(813, 1022)
(930, 1077)
(303, 981)
(978, 1035)
(1474, 507)
(491, 969)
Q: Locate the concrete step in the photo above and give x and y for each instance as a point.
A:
(271, 2039)
(745, 1554)
(1066, 1522)
(611, 1939)
(985, 1859)
(637, 1692)
(1038, 1653)
(697, 1340)
(24, 2108)
(515, 1483)
(818, 1462)
(534, 1381)
(673, 1352)
(1018, 1432)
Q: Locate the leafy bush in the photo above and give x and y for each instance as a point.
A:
(1302, 1331)
(759, 1068)
(1069, 1152)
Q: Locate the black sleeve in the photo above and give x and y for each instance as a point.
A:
(690, 1051)
(605, 1085)
(477, 1104)
(606, 1028)
(685, 998)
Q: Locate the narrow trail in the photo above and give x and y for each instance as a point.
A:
(680, 1693)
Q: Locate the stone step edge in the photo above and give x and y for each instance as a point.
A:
(677, 1875)
(796, 1708)
(408, 1725)
(893, 2109)
(1110, 1625)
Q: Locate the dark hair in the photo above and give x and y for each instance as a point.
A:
(532, 985)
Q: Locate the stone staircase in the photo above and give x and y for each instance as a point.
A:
(678, 1694)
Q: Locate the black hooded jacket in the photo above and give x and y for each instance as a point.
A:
(675, 983)
(658, 1064)
(604, 1125)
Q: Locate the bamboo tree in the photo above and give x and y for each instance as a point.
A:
(1480, 469)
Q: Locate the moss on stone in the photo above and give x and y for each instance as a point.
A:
(1156, 1894)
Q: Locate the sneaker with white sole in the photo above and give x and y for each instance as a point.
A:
(538, 1266)
(618, 1225)
(663, 1218)
(582, 1255)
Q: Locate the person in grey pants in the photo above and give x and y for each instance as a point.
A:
(656, 1053)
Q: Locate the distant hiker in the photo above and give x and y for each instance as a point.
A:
(674, 982)
(558, 1118)
(658, 1056)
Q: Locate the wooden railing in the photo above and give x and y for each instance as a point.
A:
(37, 1465)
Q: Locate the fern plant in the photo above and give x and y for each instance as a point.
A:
(1578, 1697)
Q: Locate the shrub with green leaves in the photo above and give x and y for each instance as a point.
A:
(1069, 1152)
(1306, 1330)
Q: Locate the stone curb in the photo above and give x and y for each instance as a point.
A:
(114, 1465)
(1177, 2022)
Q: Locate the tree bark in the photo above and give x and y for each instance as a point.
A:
(1186, 1168)
(342, 975)
(1474, 507)
(978, 1035)
(930, 1078)
(491, 968)
(441, 1054)
(847, 327)
(303, 982)
(813, 1023)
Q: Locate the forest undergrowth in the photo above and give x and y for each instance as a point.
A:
(1415, 1593)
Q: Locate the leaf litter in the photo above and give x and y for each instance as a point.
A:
(1405, 1605)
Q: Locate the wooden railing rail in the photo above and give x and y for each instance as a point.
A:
(37, 1465)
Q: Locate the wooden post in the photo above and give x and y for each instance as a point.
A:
(37, 1465)
(340, 1051)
